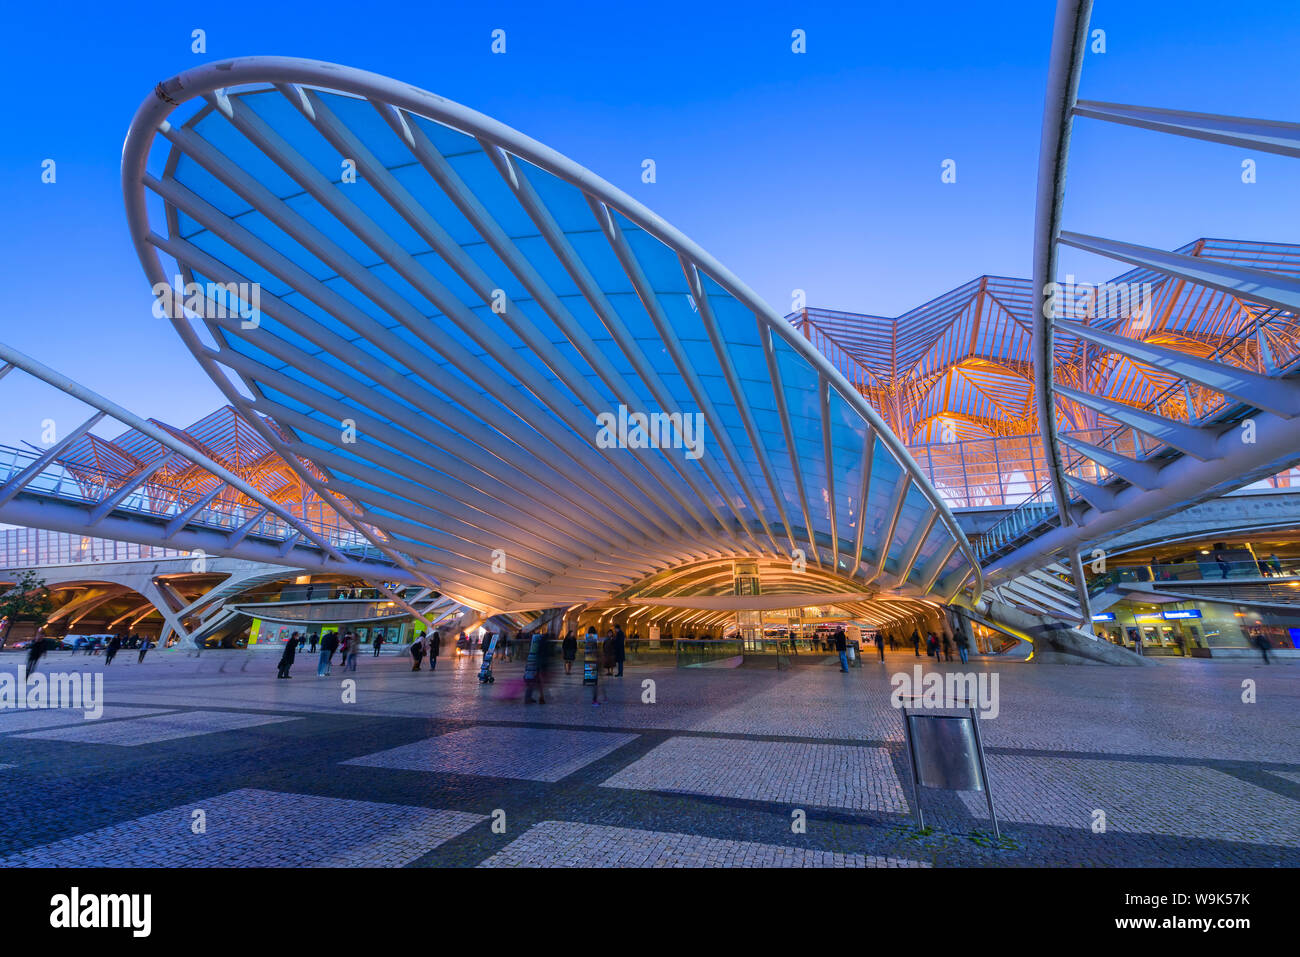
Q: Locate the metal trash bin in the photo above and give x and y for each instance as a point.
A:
(946, 753)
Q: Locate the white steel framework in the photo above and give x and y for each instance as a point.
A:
(445, 310)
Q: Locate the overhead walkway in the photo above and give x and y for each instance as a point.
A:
(221, 515)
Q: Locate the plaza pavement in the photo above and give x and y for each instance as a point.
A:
(211, 761)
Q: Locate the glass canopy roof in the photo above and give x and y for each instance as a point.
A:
(458, 328)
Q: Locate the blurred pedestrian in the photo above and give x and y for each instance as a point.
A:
(434, 646)
(328, 645)
(569, 648)
(351, 648)
(841, 647)
(40, 645)
(286, 656)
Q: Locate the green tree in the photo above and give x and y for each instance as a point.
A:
(26, 600)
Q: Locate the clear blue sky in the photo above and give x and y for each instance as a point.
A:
(818, 171)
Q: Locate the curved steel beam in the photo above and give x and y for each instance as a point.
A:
(1069, 37)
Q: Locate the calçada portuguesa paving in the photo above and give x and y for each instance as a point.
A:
(211, 761)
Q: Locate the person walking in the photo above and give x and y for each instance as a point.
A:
(620, 652)
(539, 650)
(287, 656)
(963, 647)
(417, 651)
(607, 654)
(39, 646)
(1223, 565)
(145, 645)
(880, 645)
(434, 645)
(377, 641)
(569, 649)
(916, 643)
(947, 647)
(1262, 644)
(841, 647)
(114, 645)
(593, 649)
(351, 648)
(329, 643)
(314, 639)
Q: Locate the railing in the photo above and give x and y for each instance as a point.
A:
(1207, 570)
(35, 547)
(705, 651)
(322, 611)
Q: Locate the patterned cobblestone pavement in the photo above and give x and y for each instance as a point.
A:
(1189, 763)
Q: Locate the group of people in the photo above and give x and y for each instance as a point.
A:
(941, 647)
(611, 652)
(347, 644)
(41, 644)
(426, 646)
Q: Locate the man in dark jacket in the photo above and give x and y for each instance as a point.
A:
(435, 647)
(620, 649)
(329, 644)
(114, 644)
(841, 646)
(916, 643)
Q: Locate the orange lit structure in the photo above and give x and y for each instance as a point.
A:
(954, 378)
(166, 478)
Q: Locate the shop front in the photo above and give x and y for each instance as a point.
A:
(1198, 629)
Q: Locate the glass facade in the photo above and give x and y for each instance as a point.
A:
(469, 297)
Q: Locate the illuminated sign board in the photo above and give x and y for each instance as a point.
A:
(1104, 616)
(1181, 613)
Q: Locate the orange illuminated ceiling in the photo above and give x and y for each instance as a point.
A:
(958, 367)
(222, 435)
